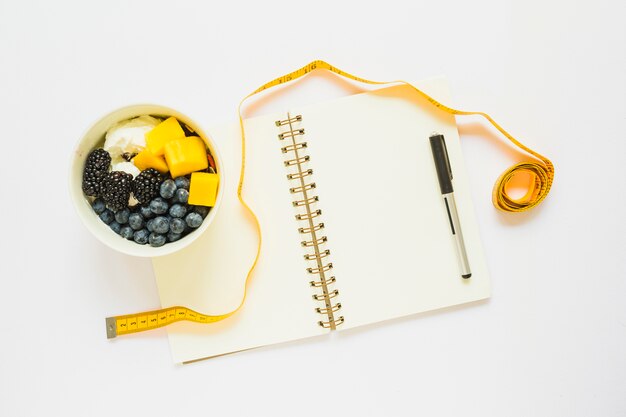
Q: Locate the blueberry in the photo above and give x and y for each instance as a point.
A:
(168, 187)
(156, 240)
(127, 232)
(161, 225)
(177, 226)
(178, 210)
(136, 221)
(98, 205)
(122, 216)
(193, 220)
(202, 210)
(149, 225)
(182, 182)
(181, 196)
(141, 236)
(107, 216)
(115, 226)
(146, 212)
(158, 206)
(173, 237)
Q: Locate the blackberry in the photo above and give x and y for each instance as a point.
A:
(146, 185)
(115, 190)
(96, 169)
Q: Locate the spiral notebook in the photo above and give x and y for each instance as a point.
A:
(354, 228)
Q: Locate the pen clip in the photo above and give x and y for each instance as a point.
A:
(445, 149)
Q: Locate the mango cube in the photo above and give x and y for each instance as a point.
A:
(186, 155)
(145, 159)
(163, 133)
(203, 189)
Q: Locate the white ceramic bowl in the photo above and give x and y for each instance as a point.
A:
(93, 138)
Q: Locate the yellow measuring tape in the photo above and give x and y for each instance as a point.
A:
(541, 172)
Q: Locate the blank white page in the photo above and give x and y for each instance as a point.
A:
(392, 249)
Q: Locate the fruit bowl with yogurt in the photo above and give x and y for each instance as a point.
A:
(146, 180)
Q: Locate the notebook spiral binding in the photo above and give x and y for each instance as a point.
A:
(295, 149)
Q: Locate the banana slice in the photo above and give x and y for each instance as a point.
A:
(127, 167)
(128, 137)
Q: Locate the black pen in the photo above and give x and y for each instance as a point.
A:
(444, 173)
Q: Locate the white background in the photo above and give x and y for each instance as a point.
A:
(550, 342)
